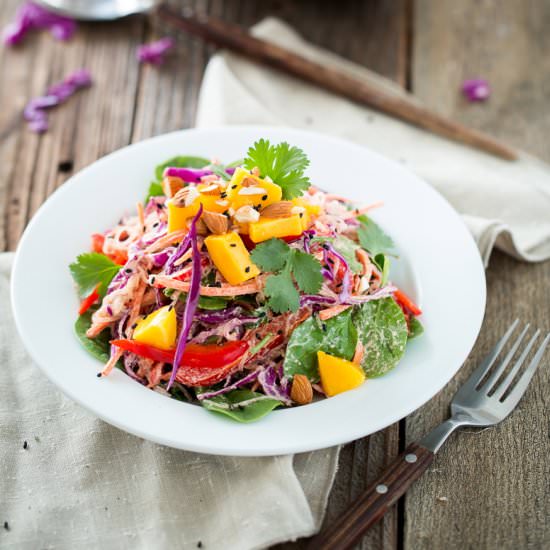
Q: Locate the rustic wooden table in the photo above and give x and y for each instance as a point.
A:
(485, 490)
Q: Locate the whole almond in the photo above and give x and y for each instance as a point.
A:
(201, 229)
(171, 185)
(281, 209)
(217, 223)
(185, 196)
(301, 391)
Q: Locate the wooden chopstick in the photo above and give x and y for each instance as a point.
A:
(239, 40)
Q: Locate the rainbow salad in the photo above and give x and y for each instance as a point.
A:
(243, 287)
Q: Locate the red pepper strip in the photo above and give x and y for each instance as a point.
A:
(404, 301)
(89, 301)
(210, 356)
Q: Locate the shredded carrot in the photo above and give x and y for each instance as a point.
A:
(167, 240)
(360, 211)
(96, 328)
(332, 311)
(136, 306)
(184, 258)
(363, 257)
(109, 366)
(225, 290)
(359, 353)
(141, 216)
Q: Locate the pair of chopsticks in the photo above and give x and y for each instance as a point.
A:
(239, 40)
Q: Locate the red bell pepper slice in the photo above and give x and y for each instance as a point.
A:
(201, 364)
(405, 302)
(195, 355)
(97, 242)
(89, 301)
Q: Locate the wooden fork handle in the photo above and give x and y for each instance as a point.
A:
(369, 508)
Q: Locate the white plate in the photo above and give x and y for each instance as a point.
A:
(439, 266)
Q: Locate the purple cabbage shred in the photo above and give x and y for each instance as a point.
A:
(31, 16)
(35, 110)
(476, 89)
(191, 175)
(155, 52)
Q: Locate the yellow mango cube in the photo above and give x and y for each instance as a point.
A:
(338, 375)
(158, 328)
(239, 194)
(231, 257)
(178, 216)
(311, 209)
(268, 228)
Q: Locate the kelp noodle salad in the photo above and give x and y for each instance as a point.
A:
(243, 287)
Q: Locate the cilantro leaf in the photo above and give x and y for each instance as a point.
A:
(284, 164)
(282, 293)
(91, 269)
(271, 255)
(307, 272)
(372, 238)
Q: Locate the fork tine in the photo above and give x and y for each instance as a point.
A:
(491, 381)
(503, 386)
(519, 389)
(487, 363)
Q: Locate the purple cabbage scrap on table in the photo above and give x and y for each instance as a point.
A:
(31, 16)
(35, 110)
(476, 89)
(154, 52)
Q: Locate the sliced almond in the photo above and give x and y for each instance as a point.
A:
(249, 182)
(185, 196)
(202, 229)
(301, 391)
(298, 210)
(217, 223)
(246, 214)
(255, 171)
(213, 189)
(222, 202)
(253, 190)
(171, 185)
(281, 209)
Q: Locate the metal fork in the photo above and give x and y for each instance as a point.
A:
(483, 400)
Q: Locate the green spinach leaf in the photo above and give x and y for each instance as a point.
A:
(241, 405)
(382, 328)
(213, 302)
(97, 347)
(337, 336)
(181, 162)
(155, 190)
(372, 237)
(415, 328)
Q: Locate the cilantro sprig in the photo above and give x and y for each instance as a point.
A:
(284, 164)
(289, 267)
(92, 269)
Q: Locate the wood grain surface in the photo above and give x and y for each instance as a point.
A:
(487, 490)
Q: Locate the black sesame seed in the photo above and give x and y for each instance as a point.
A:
(301, 214)
(170, 307)
(247, 269)
(99, 375)
(225, 213)
(152, 280)
(234, 186)
(233, 245)
(258, 336)
(330, 261)
(6, 526)
(323, 327)
(25, 445)
(144, 229)
(134, 325)
(128, 270)
(325, 246)
(258, 206)
(156, 224)
(279, 332)
(264, 198)
(223, 195)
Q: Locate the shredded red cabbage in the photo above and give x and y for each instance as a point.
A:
(275, 384)
(476, 89)
(35, 110)
(309, 299)
(242, 382)
(383, 292)
(191, 175)
(155, 52)
(345, 292)
(31, 16)
(192, 298)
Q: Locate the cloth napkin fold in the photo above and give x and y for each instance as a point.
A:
(81, 483)
(506, 204)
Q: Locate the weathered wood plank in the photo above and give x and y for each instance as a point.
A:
(495, 482)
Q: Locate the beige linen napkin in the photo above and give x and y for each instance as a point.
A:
(80, 483)
(506, 204)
